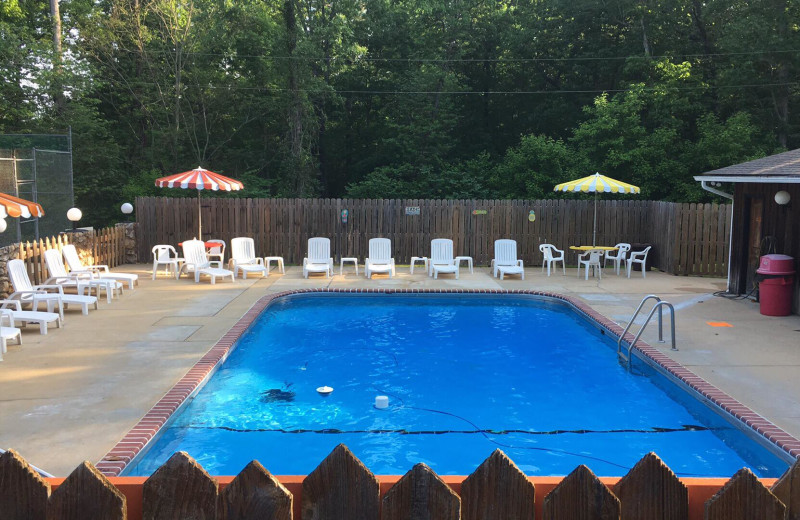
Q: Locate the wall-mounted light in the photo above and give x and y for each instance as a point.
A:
(783, 197)
(74, 215)
(3, 225)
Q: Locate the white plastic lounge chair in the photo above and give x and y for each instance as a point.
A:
(167, 256)
(100, 270)
(591, 259)
(216, 252)
(197, 262)
(244, 259)
(550, 256)
(380, 257)
(618, 257)
(20, 317)
(80, 281)
(442, 260)
(8, 332)
(505, 259)
(639, 257)
(27, 292)
(319, 259)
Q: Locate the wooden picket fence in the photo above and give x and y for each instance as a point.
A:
(102, 246)
(686, 238)
(342, 488)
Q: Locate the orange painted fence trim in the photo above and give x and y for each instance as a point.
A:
(700, 489)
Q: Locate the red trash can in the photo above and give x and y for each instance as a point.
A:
(775, 290)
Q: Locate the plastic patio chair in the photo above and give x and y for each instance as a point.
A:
(318, 259)
(197, 262)
(552, 255)
(14, 308)
(591, 259)
(618, 257)
(25, 291)
(243, 258)
(639, 257)
(100, 270)
(83, 280)
(166, 255)
(8, 332)
(216, 251)
(380, 257)
(442, 260)
(505, 259)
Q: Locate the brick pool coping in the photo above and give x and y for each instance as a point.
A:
(113, 463)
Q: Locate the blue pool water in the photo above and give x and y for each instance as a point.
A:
(465, 375)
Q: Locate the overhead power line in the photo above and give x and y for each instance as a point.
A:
(475, 93)
(472, 60)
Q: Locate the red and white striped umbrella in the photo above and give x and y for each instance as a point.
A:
(11, 206)
(200, 179)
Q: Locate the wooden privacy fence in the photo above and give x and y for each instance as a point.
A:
(686, 238)
(102, 246)
(342, 488)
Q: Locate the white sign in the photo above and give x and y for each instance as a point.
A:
(412, 210)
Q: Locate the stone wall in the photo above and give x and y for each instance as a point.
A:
(7, 253)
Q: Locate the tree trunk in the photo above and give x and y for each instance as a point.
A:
(295, 101)
(58, 92)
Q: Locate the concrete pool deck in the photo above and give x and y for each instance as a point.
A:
(72, 394)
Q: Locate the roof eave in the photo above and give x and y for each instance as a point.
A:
(792, 179)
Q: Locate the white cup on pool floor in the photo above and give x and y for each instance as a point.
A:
(381, 402)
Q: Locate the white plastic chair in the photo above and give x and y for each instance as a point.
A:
(167, 256)
(197, 262)
(244, 259)
(551, 255)
(25, 291)
(217, 251)
(505, 259)
(100, 270)
(8, 332)
(380, 257)
(80, 280)
(639, 257)
(442, 260)
(319, 259)
(618, 257)
(14, 308)
(591, 259)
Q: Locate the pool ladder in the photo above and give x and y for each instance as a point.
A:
(660, 304)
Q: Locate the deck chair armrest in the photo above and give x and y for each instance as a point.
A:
(57, 287)
(211, 264)
(15, 303)
(519, 263)
(97, 267)
(305, 261)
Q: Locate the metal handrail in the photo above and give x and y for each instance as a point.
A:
(657, 307)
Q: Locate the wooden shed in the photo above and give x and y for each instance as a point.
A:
(766, 215)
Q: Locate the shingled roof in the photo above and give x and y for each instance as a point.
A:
(782, 167)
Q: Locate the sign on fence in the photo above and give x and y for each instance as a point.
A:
(412, 210)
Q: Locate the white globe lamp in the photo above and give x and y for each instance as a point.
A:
(126, 208)
(783, 197)
(3, 225)
(74, 215)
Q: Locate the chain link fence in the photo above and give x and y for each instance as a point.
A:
(37, 167)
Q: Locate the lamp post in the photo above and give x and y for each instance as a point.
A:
(127, 209)
(74, 215)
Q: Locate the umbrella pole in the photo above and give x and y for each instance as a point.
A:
(199, 217)
(594, 229)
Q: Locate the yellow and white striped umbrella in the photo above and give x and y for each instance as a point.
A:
(597, 183)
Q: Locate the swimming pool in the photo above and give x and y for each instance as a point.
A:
(464, 374)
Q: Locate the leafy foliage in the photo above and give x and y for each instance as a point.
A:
(402, 98)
